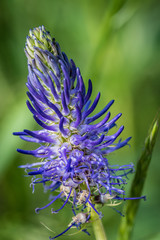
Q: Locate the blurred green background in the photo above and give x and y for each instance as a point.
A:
(117, 45)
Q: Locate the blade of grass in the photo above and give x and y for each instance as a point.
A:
(127, 223)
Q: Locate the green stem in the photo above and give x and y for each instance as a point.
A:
(97, 226)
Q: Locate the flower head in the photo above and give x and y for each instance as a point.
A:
(72, 156)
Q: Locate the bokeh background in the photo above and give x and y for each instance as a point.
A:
(117, 45)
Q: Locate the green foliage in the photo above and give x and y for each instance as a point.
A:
(143, 163)
(117, 45)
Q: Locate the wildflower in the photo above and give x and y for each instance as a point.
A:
(73, 150)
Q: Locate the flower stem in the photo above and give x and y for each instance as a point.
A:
(97, 226)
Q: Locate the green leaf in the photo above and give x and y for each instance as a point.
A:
(127, 223)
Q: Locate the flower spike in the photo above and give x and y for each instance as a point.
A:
(72, 157)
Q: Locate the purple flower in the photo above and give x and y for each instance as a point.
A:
(72, 157)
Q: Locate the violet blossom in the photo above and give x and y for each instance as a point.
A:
(73, 150)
